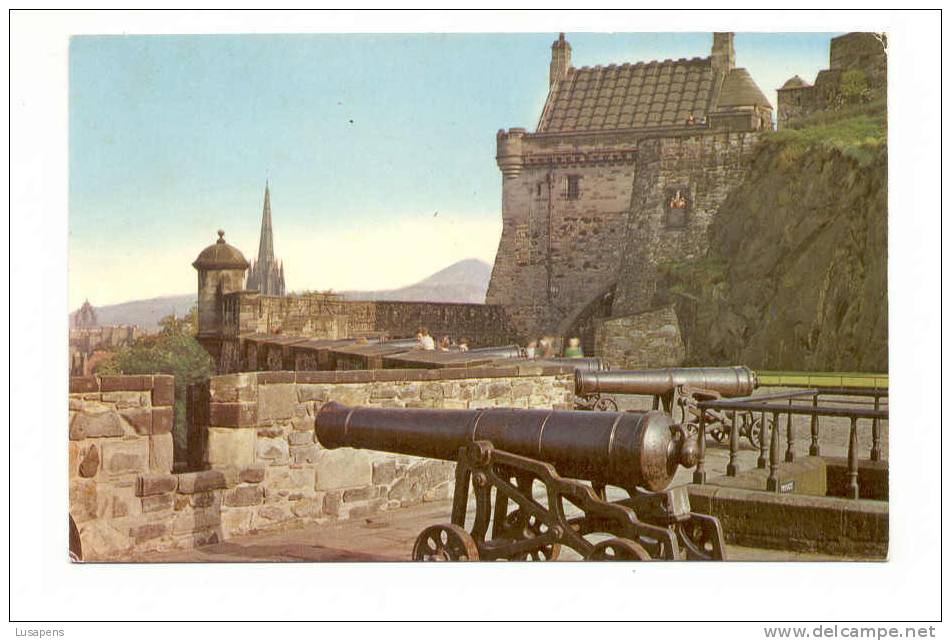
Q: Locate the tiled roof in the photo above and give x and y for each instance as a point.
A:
(630, 96)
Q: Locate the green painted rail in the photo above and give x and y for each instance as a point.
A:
(823, 379)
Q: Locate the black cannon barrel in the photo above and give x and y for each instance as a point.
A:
(584, 363)
(502, 351)
(728, 381)
(401, 342)
(625, 449)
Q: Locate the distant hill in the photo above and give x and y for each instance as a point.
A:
(462, 282)
(144, 313)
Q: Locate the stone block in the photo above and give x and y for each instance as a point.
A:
(227, 446)
(276, 402)
(139, 418)
(350, 394)
(408, 391)
(158, 502)
(163, 419)
(300, 438)
(161, 453)
(313, 393)
(81, 384)
(273, 450)
(163, 390)
(252, 474)
(235, 521)
(117, 501)
(124, 400)
(125, 383)
(90, 462)
(418, 479)
(382, 391)
(453, 404)
(270, 514)
(270, 432)
(233, 414)
(152, 484)
(83, 499)
(95, 421)
(343, 468)
(233, 388)
(304, 454)
(522, 389)
(146, 532)
(308, 508)
(271, 378)
(431, 391)
(202, 499)
(194, 520)
(332, 503)
(125, 457)
(367, 509)
(498, 389)
(359, 494)
(193, 482)
(384, 472)
(244, 496)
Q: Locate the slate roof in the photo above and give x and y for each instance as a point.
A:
(630, 96)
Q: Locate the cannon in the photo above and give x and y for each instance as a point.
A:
(571, 457)
(583, 363)
(501, 351)
(687, 385)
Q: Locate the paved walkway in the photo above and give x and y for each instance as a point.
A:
(386, 537)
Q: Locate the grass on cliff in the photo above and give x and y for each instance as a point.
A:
(860, 132)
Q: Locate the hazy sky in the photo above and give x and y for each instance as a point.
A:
(380, 149)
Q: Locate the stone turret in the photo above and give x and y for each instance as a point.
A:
(221, 269)
(560, 60)
(508, 155)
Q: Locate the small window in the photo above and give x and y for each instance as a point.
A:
(538, 189)
(573, 187)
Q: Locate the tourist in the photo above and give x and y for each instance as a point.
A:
(530, 349)
(463, 344)
(424, 341)
(574, 348)
(444, 344)
(546, 346)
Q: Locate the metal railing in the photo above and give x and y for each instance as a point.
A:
(859, 404)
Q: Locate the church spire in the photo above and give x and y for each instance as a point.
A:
(266, 247)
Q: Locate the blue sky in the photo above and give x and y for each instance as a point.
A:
(380, 149)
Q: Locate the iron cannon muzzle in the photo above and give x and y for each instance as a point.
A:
(624, 449)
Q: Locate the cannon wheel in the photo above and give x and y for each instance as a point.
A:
(754, 429)
(618, 550)
(446, 542)
(531, 527)
(606, 404)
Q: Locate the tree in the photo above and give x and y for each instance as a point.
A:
(173, 350)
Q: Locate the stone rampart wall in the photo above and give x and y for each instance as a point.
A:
(265, 470)
(649, 339)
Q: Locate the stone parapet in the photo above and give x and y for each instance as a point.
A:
(264, 470)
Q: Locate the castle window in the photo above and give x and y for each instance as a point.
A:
(538, 189)
(573, 187)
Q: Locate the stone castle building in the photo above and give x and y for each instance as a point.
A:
(625, 170)
(857, 73)
(266, 274)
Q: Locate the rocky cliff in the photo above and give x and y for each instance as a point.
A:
(795, 277)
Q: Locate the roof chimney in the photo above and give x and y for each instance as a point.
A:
(722, 56)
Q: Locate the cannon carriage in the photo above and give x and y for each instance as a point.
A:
(539, 480)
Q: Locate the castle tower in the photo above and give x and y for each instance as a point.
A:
(722, 56)
(560, 60)
(266, 275)
(221, 270)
